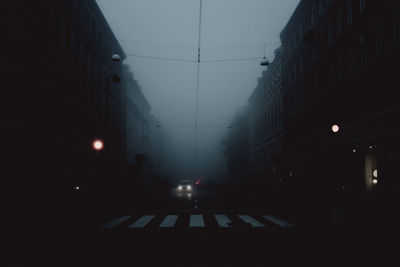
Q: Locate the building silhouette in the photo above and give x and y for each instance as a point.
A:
(338, 68)
(61, 91)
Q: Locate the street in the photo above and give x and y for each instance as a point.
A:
(173, 232)
(200, 230)
(200, 133)
(210, 235)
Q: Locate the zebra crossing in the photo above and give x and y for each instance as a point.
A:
(196, 221)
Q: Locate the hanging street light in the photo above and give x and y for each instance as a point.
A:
(264, 61)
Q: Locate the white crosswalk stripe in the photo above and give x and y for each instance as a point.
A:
(142, 222)
(169, 221)
(196, 221)
(278, 221)
(115, 222)
(223, 220)
(251, 220)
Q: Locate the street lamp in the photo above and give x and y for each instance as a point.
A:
(335, 128)
(116, 58)
(98, 145)
(264, 61)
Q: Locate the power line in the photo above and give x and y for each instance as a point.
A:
(175, 125)
(162, 58)
(239, 46)
(233, 59)
(192, 60)
(158, 44)
(204, 48)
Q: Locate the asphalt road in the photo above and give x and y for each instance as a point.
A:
(209, 228)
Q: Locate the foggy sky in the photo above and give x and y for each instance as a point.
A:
(140, 25)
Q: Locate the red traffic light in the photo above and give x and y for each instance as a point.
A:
(98, 144)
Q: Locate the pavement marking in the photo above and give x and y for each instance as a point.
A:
(196, 221)
(169, 221)
(223, 220)
(115, 222)
(142, 221)
(251, 220)
(278, 221)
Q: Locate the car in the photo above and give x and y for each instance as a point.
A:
(184, 186)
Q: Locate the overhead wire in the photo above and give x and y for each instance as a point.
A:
(158, 44)
(193, 60)
(239, 46)
(233, 59)
(198, 52)
(162, 58)
(176, 125)
(204, 48)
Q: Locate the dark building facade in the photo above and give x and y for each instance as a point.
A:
(265, 118)
(138, 119)
(339, 69)
(236, 148)
(56, 80)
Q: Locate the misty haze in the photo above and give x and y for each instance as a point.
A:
(200, 132)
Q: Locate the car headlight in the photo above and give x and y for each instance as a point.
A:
(189, 187)
(180, 187)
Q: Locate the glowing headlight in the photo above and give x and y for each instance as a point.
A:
(189, 187)
(180, 187)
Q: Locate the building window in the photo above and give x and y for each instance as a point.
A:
(325, 3)
(363, 50)
(330, 32)
(339, 22)
(396, 25)
(301, 69)
(349, 11)
(351, 61)
(301, 34)
(331, 75)
(379, 36)
(362, 6)
(340, 70)
(363, 56)
(100, 40)
(312, 15)
(320, 6)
